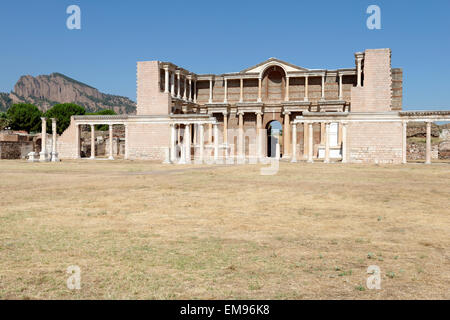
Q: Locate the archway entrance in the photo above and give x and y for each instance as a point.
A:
(274, 133)
(274, 84)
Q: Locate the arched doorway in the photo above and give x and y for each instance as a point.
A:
(274, 132)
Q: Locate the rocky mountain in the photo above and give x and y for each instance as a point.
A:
(44, 91)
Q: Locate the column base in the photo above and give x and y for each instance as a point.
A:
(294, 160)
(43, 157)
(55, 157)
(310, 161)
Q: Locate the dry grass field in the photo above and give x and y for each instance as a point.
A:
(141, 230)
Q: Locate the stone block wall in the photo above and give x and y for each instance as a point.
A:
(147, 140)
(150, 99)
(15, 149)
(375, 142)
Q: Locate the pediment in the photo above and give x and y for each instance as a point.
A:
(273, 61)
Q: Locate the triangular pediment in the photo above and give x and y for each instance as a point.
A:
(273, 61)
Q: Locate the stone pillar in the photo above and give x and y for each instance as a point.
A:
(294, 143)
(225, 92)
(322, 132)
(172, 84)
(111, 157)
(258, 135)
(173, 137)
(178, 85)
(241, 97)
(340, 87)
(127, 143)
(185, 90)
(210, 91)
(327, 143)
(306, 88)
(286, 135)
(225, 128)
(344, 142)
(54, 134)
(241, 150)
(190, 90)
(310, 142)
(286, 93)
(216, 143)
(43, 154)
(77, 140)
(404, 141)
(195, 91)
(305, 139)
(359, 57)
(323, 88)
(92, 141)
(428, 148)
(187, 143)
(259, 89)
(202, 142)
(210, 133)
(166, 80)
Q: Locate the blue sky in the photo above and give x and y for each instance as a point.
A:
(223, 36)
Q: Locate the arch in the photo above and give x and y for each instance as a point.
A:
(273, 84)
(274, 131)
(271, 64)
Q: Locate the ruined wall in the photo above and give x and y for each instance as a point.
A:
(15, 149)
(147, 140)
(150, 99)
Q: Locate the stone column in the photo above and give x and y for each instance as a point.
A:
(43, 154)
(225, 92)
(259, 89)
(358, 68)
(428, 148)
(344, 142)
(241, 97)
(216, 143)
(340, 87)
(210, 133)
(286, 93)
(323, 88)
(111, 157)
(294, 143)
(184, 89)
(190, 90)
(166, 80)
(327, 143)
(172, 84)
(92, 141)
(404, 141)
(305, 139)
(202, 142)
(286, 135)
(187, 143)
(54, 153)
(322, 132)
(178, 85)
(127, 143)
(258, 135)
(306, 88)
(225, 128)
(241, 137)
(173, 137)
(77, 139)
(310, 142)
(210, 91)
(195, 91)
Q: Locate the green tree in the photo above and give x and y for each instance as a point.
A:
(62, 112)
(106, 112)
(4, 121)
(24, 116)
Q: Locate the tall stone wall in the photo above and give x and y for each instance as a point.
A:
(375, 142)
(150, 99)
(147, 141)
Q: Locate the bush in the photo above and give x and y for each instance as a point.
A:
(62, 112)
(24, 116)
(106, 112)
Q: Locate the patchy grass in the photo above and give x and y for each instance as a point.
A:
(140, 230)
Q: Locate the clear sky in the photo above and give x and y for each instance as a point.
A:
(223, 36)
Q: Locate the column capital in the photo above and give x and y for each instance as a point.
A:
(259, 112)
(286, 112)
(43, 119)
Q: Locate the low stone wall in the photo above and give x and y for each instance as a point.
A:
(15, 149)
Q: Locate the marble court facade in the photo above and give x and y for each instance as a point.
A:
(349, 115)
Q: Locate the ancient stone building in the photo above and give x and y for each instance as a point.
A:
(350, 114)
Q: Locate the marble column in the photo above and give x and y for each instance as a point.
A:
(54, 134)
(178, 85)
(344, 142)
(172, 84)
(216, 143)
(166, 80)
(286, 135)
(428, 147)
(77, 141)
(340, 87)
(173, 137)
(43, 153)
(195, 91)
(92, 141)
(241, 96)
(306, 88)
(327, 143)
(323, 88)
(305, 140)
(202, 142)
(225, 128)
(190, 90)
(241, 150)
(358, 69)
(111, 137)
(225, 91)
(210, 133)
(286, 93)
(258, 135)
(259, 89)
(210, 91)
(185, 89)
(310, 143)
(404, 141)
(187, 143)
(294, 143)
(127, 143)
